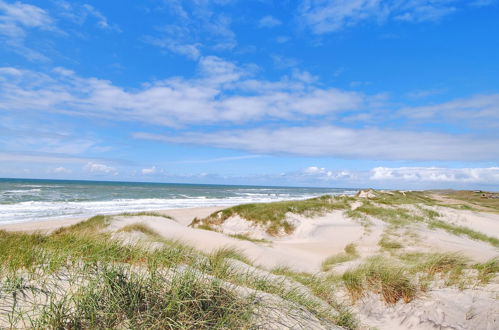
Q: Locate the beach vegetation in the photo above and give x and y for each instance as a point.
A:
(272, 216)
(382, 276)
(145, 214)
(463, 231)
(349, 254)
(139, 227)
(389, 244)
(245, 237)
(487, 270)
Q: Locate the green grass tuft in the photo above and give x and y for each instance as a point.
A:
(381, 276)
(386, 243)
(140, 227)
(349, 254)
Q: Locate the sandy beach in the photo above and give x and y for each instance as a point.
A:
(317, 236)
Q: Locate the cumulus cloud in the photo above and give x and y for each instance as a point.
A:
(323, 16)
(222, 92)
(148, 171)
(337, 141)
(321, 172)
(100, 168)
(488, 175)
(62, 170)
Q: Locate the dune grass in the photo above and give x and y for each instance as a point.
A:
(461, 230)
(404, 276)
(349, 254)
(140, 227)
(393, 215)
(116, 297)
(273, 215)
(144, 214)
(487, 270)
(248, 238)
(401, 198)
(389, 244)
(381, 276)
(382, 207)
(473, 199)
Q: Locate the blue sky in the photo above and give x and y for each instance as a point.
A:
(358, 93)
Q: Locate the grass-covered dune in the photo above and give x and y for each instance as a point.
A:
(390, 207)
(272, 216)
(84, 277)
(414, 253)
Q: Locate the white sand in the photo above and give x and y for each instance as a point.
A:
(315, 239)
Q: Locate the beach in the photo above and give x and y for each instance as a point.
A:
(331, 236)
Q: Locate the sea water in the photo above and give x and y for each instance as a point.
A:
(24, 200)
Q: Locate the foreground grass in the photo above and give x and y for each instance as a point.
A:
(273, 215)
(116, 297)
(85, 279)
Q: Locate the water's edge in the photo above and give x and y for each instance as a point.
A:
(23, 200)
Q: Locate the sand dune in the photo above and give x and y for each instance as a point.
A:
(320, 236)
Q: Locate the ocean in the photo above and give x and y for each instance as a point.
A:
(24, 200)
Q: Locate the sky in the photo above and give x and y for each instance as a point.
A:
(396, 94)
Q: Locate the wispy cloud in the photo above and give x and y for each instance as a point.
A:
(15, 21)
(196, 26)
(376, 144)
(81, 13)
(218, 160)
(324, 16)
(479, 111)
(268, 22)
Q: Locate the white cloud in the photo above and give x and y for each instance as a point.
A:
(283, 62)
(222, 92)
(195, 27)
(148, 171)
(81, 13)
(328, 175)
(100, 168)
(344, 142)
(488, 175)
(268, 22)
(62, 170)
(15, 19)
(17, 16)
(480, 110)
(324, 16)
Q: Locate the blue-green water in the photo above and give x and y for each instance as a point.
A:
(28, 200)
